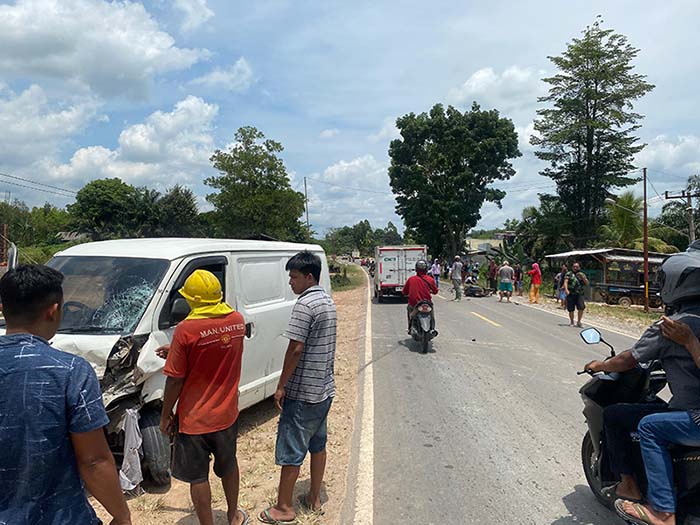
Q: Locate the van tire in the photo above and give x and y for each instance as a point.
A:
(156, 447)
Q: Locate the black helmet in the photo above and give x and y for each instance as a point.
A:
(421, 265)
(679, 276)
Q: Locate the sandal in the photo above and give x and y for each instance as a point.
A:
(610, 493)
(246, 518)
(643, 518)
(265, 517)
(304, 505)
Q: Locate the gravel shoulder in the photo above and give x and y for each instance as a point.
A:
(256, 444)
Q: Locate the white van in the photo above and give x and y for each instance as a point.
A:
(122, 303)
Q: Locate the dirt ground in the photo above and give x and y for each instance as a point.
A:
(256, 445)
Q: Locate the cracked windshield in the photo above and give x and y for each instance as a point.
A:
(349, 262)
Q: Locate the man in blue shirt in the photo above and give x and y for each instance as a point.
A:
(51, 414)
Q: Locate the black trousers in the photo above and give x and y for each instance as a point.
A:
(620, 421)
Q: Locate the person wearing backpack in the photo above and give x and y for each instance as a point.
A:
(574, 282)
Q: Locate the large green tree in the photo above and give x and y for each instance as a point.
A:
(441, 171)
(254, 194)
(587, 130)
(544, 229)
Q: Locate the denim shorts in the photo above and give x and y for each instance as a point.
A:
(302, 428)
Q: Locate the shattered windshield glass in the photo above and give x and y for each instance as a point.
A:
(106, 294)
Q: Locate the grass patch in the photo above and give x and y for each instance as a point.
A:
(349, 277)
(624, 314)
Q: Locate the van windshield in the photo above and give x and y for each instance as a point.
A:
(106, 294)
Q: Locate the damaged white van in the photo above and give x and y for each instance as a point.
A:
(122, 302)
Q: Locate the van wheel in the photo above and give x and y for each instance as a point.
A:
(156, 447)
(625, 302)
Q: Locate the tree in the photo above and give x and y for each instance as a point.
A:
(47, 222)
(545, 229)
(178, 213)
(673, 223)
(586, 133)
(254, 193)
(441, 169)
(107, 209)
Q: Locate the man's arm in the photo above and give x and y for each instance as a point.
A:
(566, 287)
(583, 278)
(682, 334)
(291, 359)
(620, 363)
(173, 388)
(98, 471)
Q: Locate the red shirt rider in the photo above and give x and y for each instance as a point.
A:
(419, 288)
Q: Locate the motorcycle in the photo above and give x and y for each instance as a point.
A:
(423, 325)
(639, 385)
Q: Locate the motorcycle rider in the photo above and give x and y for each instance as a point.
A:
(680, 291)
(419, 288)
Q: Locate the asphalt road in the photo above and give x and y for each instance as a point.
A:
(486, 428)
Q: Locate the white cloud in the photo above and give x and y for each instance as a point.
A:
(511, 92)
(166, 148)
(237, 78)
(350, 191)
(680, 155)
(329, 133)
(387, 132)
(195, 13)
(112, 48)
(34, 126)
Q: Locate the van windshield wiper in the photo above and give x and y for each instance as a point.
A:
(89, 329)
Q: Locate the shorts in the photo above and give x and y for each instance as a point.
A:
(562, 295)
(505, 287)
(575, 302)
(302, 428)
(192, 452)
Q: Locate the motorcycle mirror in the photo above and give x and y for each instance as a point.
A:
(591, 336)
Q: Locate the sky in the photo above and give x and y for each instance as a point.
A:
(147, 91)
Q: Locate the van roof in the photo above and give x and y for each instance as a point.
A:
(174, 248)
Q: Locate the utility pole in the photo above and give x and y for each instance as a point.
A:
(306, 202)
(688, 197)
(646, 247)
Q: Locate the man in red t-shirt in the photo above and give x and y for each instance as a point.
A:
(419, 287)
(204, 369)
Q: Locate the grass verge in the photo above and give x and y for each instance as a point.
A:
(624, 314)
(349, 277)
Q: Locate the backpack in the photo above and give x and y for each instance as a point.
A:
(575, 286)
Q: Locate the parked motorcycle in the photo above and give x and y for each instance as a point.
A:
(639, 385)
(423, 325)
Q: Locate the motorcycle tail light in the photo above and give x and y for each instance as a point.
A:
(424, 308)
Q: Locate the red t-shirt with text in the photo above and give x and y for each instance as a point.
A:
(419, 288)
(207, 353)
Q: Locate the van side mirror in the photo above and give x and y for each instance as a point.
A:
(591, 336)
(178, 310)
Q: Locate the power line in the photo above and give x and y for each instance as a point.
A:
(26, 255)
(34, 188)
(37, 183)
(349, 187)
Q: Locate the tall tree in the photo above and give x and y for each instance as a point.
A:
(441, 169)
(587, 131)
(254, 193)
(178, 214)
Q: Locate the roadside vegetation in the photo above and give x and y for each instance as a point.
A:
(346, 276)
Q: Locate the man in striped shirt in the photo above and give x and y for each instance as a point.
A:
(305, 390)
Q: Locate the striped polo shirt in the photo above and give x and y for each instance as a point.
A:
(313, 322)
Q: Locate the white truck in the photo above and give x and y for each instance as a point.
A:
(394, 265)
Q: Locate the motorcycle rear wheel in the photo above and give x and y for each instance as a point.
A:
(590, 469)
(425, 342)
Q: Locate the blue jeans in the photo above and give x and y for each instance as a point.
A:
(656, 433)
(302, 428)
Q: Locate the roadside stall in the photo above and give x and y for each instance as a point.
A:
(616, 274)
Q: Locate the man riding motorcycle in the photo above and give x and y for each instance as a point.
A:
(680, 291)
(419, 288)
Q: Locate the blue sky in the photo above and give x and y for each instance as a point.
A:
(146, 91)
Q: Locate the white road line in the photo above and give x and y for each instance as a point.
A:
(364, 499)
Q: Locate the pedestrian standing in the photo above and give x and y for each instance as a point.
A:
(203, 369)
(536, 281)
(561, 293)
(573, 286)
(491, 273)
(456, 276)
(305, 390)
(435, 272)
(54, 449)
(518, 279)
(505, 285)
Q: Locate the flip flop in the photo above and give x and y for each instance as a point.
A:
(641, 511)
(610, 493)
(246, 518)
(265, 517)
(304, 505)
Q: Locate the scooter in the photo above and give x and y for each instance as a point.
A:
(639, 385)
(423, 325)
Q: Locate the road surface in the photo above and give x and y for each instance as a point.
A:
(485, 429)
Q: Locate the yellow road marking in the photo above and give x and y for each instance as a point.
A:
(494, 323)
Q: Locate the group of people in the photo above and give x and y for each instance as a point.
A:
(52, 415)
